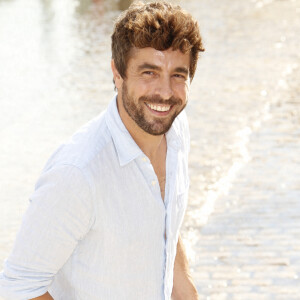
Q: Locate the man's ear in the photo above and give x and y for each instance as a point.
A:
(117, 77)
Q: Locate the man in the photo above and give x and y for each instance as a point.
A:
(103, 222)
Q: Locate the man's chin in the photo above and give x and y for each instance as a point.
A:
(157, 129)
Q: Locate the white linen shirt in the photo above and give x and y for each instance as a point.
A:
(96, 223)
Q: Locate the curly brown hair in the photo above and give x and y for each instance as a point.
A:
(159, 25)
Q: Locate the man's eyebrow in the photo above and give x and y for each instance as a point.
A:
(148, 66)
(183, 70)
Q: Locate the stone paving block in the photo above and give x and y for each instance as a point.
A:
(250, 296)
(217, 296)
(213, 284)
(230, 275)
(261, 268)
(251, 282)
(286, 274)
(284, 297)
(256, 253)
(275, 261)
(291, 290)
(236, 289)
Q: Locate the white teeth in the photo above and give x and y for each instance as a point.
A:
(159, 107)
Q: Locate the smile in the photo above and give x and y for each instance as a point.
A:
(159, 107)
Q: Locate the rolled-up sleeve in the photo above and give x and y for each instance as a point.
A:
(60, 214)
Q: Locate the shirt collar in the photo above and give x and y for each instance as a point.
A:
(126, 147)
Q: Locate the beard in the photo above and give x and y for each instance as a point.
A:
(136, 111)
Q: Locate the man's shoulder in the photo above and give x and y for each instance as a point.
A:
(83, 146)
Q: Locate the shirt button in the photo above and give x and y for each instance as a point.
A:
(144, 158)
(153, 182)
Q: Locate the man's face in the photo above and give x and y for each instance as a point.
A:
(156, 88)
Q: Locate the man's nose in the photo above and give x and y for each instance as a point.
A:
(165, 89)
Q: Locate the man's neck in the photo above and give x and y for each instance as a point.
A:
(151, 145)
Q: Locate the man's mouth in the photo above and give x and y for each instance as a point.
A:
(159, 107)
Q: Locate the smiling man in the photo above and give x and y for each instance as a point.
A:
(104, 219)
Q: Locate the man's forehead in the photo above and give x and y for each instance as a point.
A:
(169, 57)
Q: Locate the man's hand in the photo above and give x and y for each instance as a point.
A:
(46, 296)
(183, 286)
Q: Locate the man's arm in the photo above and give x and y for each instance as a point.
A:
(46, 296)
(59, 215)
(183, 286)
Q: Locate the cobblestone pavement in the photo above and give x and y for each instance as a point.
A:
(250, 247)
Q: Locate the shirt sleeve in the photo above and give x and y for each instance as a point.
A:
(58, 216)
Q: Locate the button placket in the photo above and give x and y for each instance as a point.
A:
(147, 170)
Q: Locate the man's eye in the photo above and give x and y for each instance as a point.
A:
(180, 76)
(148, 72)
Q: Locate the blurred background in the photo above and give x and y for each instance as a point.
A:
(243, 111)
